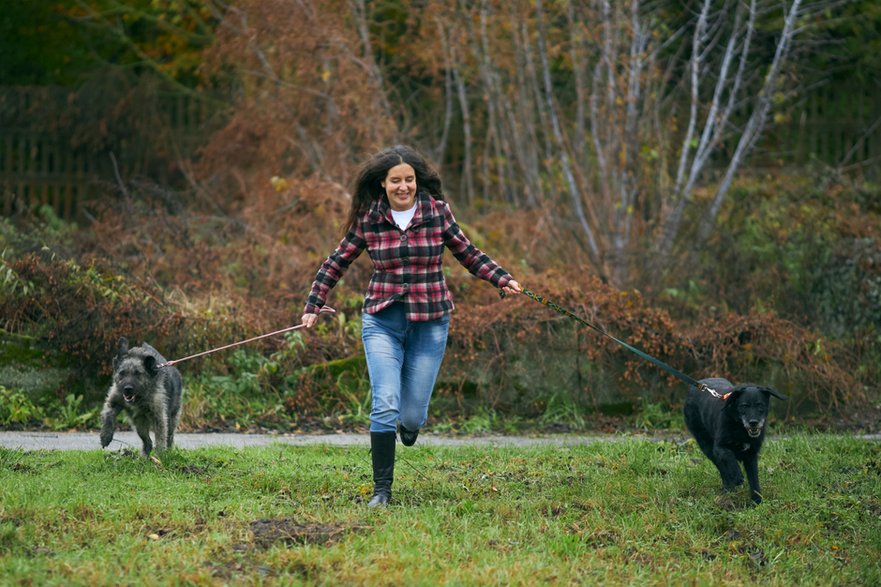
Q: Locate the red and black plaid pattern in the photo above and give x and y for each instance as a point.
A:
(407, 264)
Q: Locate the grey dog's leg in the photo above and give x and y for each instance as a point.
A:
(142, 426)
(108, 426)
(161, 430)
(173, 421)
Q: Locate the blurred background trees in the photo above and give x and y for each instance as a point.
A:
(716, 160)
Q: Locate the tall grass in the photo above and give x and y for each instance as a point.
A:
(619, 513)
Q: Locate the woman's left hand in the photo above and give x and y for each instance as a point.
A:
(512, 287)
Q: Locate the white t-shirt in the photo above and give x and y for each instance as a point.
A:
(402, 219)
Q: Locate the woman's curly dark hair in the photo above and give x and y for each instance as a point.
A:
(368, 183)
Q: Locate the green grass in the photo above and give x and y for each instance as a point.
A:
(617, 513)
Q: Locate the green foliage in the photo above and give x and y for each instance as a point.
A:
(237, 400)
(813, 255)
(243, 377)
(336, 387)
(35, 381)
(656, 416)
(70, 414)
(849, 41)
(61, 42)
(17, 409)
(483, 421)
(563, 410)
(614, 513)
(40, 45)
(10, 280)
(221, 403)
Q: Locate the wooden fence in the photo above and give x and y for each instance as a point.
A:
(36, 169)
(838, 125)
(42, 164)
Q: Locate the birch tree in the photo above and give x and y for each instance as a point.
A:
(601, 85)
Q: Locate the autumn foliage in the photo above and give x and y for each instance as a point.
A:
(568, 154)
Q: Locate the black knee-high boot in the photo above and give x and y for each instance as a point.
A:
(408, 438)
(382, 449)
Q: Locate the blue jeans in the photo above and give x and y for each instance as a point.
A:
(403, 359)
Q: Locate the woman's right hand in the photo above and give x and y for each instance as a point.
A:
(309, 320)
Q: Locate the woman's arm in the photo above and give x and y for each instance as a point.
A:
(331, 271)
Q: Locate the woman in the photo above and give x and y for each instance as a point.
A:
(399, 215)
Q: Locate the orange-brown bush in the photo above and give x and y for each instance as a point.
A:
(491, 337)
(265, 253)
(68, 307)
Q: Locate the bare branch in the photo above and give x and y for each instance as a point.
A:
(574, 193)
(359, 12)
(448, 91)
(756, 122)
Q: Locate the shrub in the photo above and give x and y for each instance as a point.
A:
(17, 409)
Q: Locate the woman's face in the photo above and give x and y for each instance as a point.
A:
(400, 187)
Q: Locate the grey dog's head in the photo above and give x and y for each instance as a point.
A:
(134, 372)
(749, 404)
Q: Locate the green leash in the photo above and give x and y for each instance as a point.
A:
(657, 362)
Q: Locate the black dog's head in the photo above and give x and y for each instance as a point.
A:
(749, 403)
(134, 372)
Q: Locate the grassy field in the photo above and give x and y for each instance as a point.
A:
(616, 513)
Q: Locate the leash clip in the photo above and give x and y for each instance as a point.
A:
(711, 391)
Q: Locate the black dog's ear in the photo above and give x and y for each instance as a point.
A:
(774, 392)
(150, 365)
(732, 396)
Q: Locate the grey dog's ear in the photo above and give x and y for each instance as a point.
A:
(774, 392)
(121, 352)
(150, 364)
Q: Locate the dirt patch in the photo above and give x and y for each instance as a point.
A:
(267, 532)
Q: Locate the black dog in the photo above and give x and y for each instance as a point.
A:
(732, 429)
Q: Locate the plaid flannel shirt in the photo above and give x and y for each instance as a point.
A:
(407, 263)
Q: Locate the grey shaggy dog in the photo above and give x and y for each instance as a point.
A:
(150, 396)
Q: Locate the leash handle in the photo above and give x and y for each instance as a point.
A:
(323, 310)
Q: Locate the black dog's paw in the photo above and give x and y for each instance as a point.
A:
(756, 497)
(732, 484)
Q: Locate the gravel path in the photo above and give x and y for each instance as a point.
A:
(89, 440)
(124, 439)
